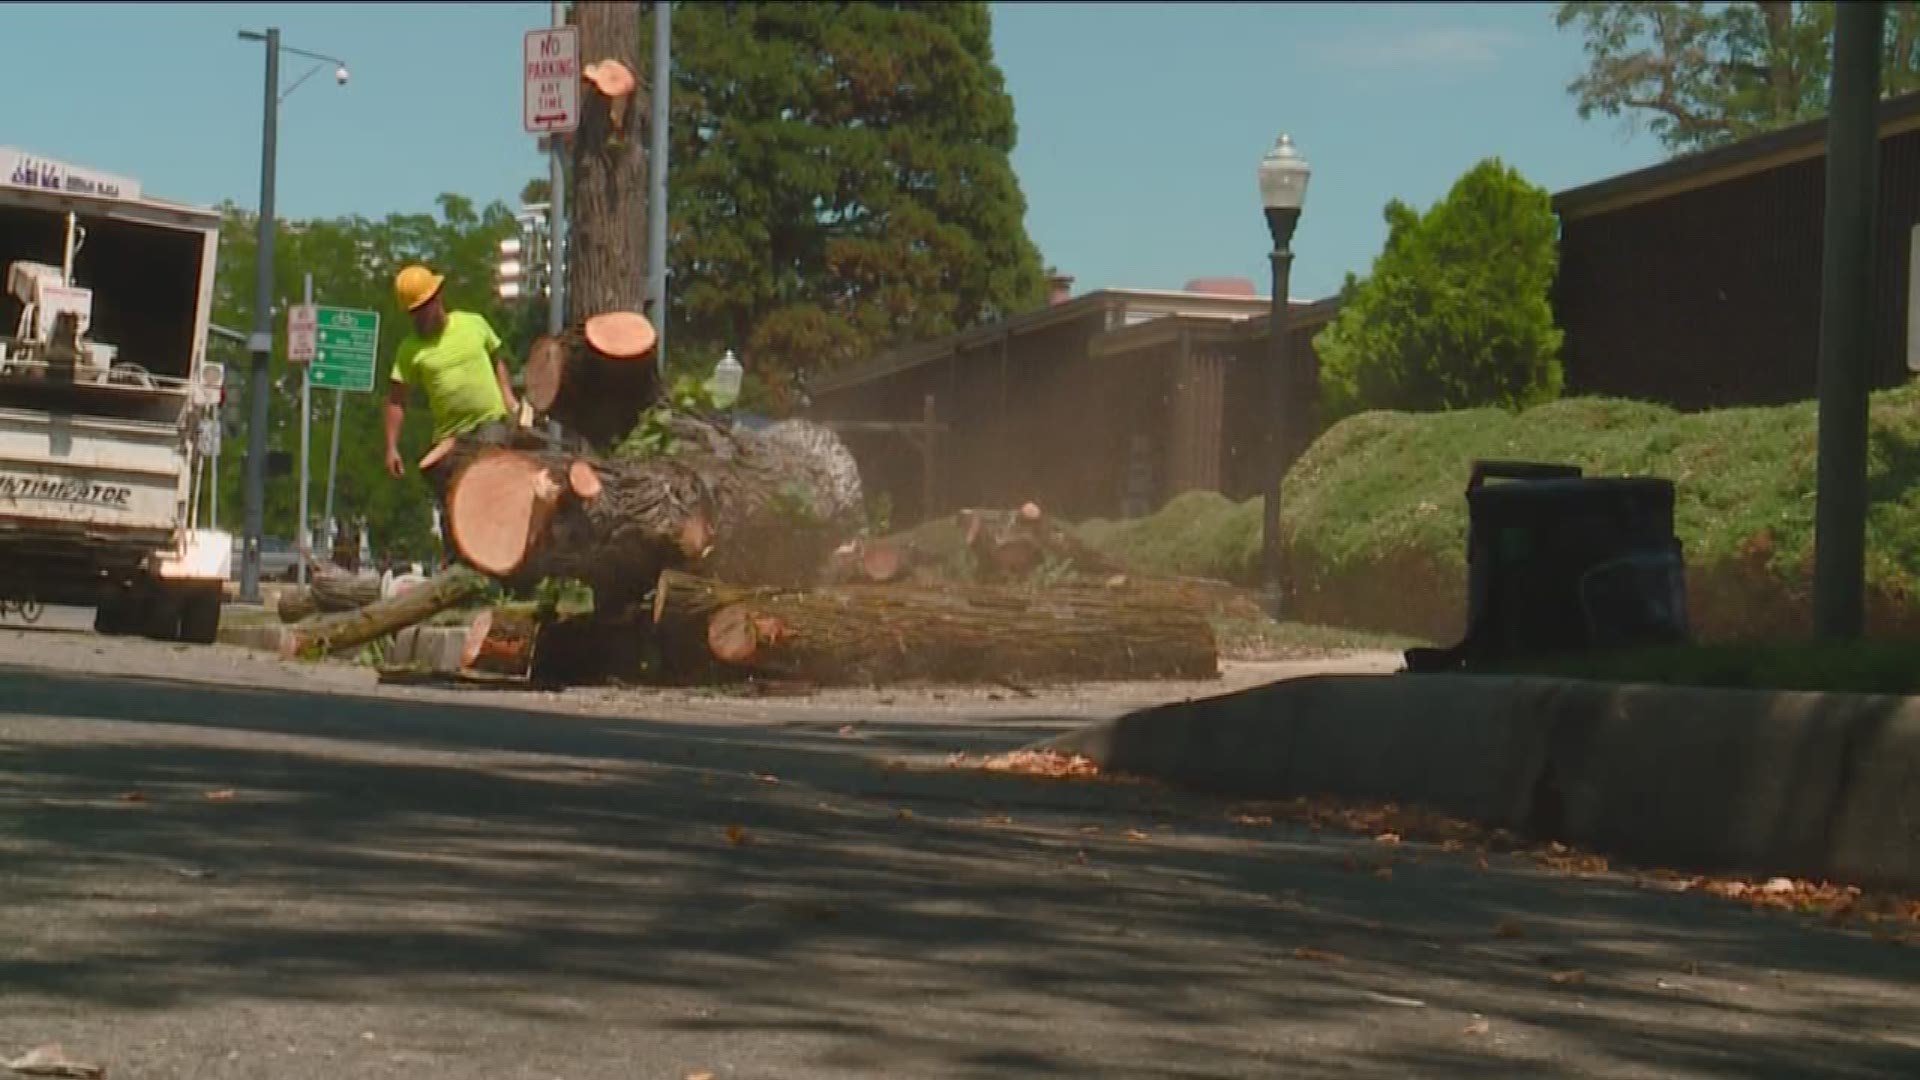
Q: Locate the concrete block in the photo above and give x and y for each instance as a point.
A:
(1875, 836)
(265, 637)
(1740, 780)
(436, 648)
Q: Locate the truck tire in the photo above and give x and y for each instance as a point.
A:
(160, 619)
(200, 616)
(117, 615)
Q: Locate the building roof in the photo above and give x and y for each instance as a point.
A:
(1123, 303)
(1721, 164)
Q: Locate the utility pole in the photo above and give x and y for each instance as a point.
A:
(556, 215)
(304, 534)
(261, 343)
(657, 182)
(1846, 310)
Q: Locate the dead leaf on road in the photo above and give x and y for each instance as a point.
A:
(904, 814)
(1387, 838)
(1251, 819)
(132, 796)
(1136, 834)
(51, 1060)
(1478, 1027)
(847, 729)
(766, 778)
(1509, 929)
(1568, 978)
(736, 835)
(223, 795)
(996, 819)
(1319, 955)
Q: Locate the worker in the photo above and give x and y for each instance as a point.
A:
(458, 361)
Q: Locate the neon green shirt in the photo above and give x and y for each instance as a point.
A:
(455, 368)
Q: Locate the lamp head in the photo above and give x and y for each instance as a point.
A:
(1283, 177)
(340, 75)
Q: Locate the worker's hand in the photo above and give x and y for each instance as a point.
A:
(396, 467)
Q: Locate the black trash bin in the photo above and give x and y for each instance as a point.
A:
(1558, 562)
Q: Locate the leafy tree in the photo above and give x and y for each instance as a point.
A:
(1456, 313)
(1702, 75)
(840, 182)
(352, 261)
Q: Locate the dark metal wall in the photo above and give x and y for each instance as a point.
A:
(1711, 298)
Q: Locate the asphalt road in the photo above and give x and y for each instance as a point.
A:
(216, 865)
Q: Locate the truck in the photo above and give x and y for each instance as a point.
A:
(109, 407)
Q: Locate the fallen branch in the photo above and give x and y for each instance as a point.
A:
(327, 634)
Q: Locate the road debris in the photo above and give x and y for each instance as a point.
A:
(51, 1060)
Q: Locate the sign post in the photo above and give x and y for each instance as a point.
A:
(346, 348)
(551, 66)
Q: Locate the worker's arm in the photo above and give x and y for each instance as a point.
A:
(500, 357)
(396, 415)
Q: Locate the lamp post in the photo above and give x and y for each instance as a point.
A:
(1283, 192)
(260, 342)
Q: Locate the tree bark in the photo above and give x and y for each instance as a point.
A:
(756, 507)
(295, 605)
(877, 634)
(606, 262)
(325, 634)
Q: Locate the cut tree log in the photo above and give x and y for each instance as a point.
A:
(500, 641)
(877, 634)
(326, 634)
(566, 374)
(872, 560)
(336, 590)
(755, 507)
(296, 604)
(1014, 543)
(601, 400)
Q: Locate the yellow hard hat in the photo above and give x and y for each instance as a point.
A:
(415, 286)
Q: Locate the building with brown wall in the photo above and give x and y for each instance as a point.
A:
(1696, 282)
(1100, 405)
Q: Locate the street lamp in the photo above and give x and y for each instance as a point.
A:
(1283, 193)
(260, 343)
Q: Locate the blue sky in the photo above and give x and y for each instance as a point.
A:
(1141, 124)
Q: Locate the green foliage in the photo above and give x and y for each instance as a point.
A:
(840, 183)
(556, 596)
(1702, 75)
(1196, 534)
(1385, 483)
(687, 395)
(352, 261)
(1457, 312)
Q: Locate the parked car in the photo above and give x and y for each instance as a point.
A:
(279, 559)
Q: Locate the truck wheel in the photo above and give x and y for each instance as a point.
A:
(200, 617)
(117, 615)
(161, 619)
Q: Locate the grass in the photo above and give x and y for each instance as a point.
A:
(1877, 667)
(1381, 482)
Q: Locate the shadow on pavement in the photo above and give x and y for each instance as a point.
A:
(519, 863)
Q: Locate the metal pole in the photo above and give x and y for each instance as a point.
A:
(556, 216)
(333, 458)
(657, 182)
(306, 420)
(261, 342)
(1279, 412)
(1846, 300)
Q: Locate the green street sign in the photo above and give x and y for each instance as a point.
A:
(346, 343)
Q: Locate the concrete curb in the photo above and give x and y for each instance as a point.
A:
(1815, 785)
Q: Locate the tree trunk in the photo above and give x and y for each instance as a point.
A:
(756, 507)
(876, 634)
(327, 634)
(337, 590)
(296, 604)
(606, 261)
